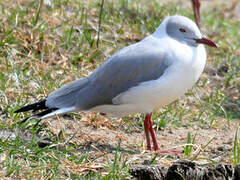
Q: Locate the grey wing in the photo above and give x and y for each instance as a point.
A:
(66, 95)
(125, 69)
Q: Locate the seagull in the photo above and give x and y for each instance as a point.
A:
(196, 10)
(139, 78)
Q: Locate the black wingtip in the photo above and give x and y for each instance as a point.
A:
(34, 107)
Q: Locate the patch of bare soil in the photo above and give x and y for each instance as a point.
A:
(99, 137)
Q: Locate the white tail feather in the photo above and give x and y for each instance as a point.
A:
(59, 111)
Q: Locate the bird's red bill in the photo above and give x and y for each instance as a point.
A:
(206, 41)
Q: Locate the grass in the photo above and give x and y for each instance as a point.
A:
(43, 47)
(236, 149)
(188, 148)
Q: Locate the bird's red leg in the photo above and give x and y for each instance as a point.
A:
(196, 9)
(155, 144)
(146, 128)
(148, 125)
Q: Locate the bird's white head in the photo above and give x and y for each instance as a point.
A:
(183, 30)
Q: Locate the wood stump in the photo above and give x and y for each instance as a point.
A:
(186, 170)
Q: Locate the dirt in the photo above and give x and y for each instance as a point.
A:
(95, 133)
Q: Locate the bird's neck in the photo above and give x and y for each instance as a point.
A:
(161, 30)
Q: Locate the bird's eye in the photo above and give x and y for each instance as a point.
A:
(182, 30)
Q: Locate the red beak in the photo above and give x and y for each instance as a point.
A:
(196, 9)
(206, 41)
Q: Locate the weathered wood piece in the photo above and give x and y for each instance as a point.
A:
(187, 170)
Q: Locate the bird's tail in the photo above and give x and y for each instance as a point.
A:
(39, 107)
(58, 102)
(40, 110)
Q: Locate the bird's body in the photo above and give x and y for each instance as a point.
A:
(138, 78)
(126, 84)
(178, 76)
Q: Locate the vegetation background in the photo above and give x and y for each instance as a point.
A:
(47, 43)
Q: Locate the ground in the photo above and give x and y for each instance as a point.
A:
(45, 44)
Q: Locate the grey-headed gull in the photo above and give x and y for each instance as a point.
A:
(138, 78)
